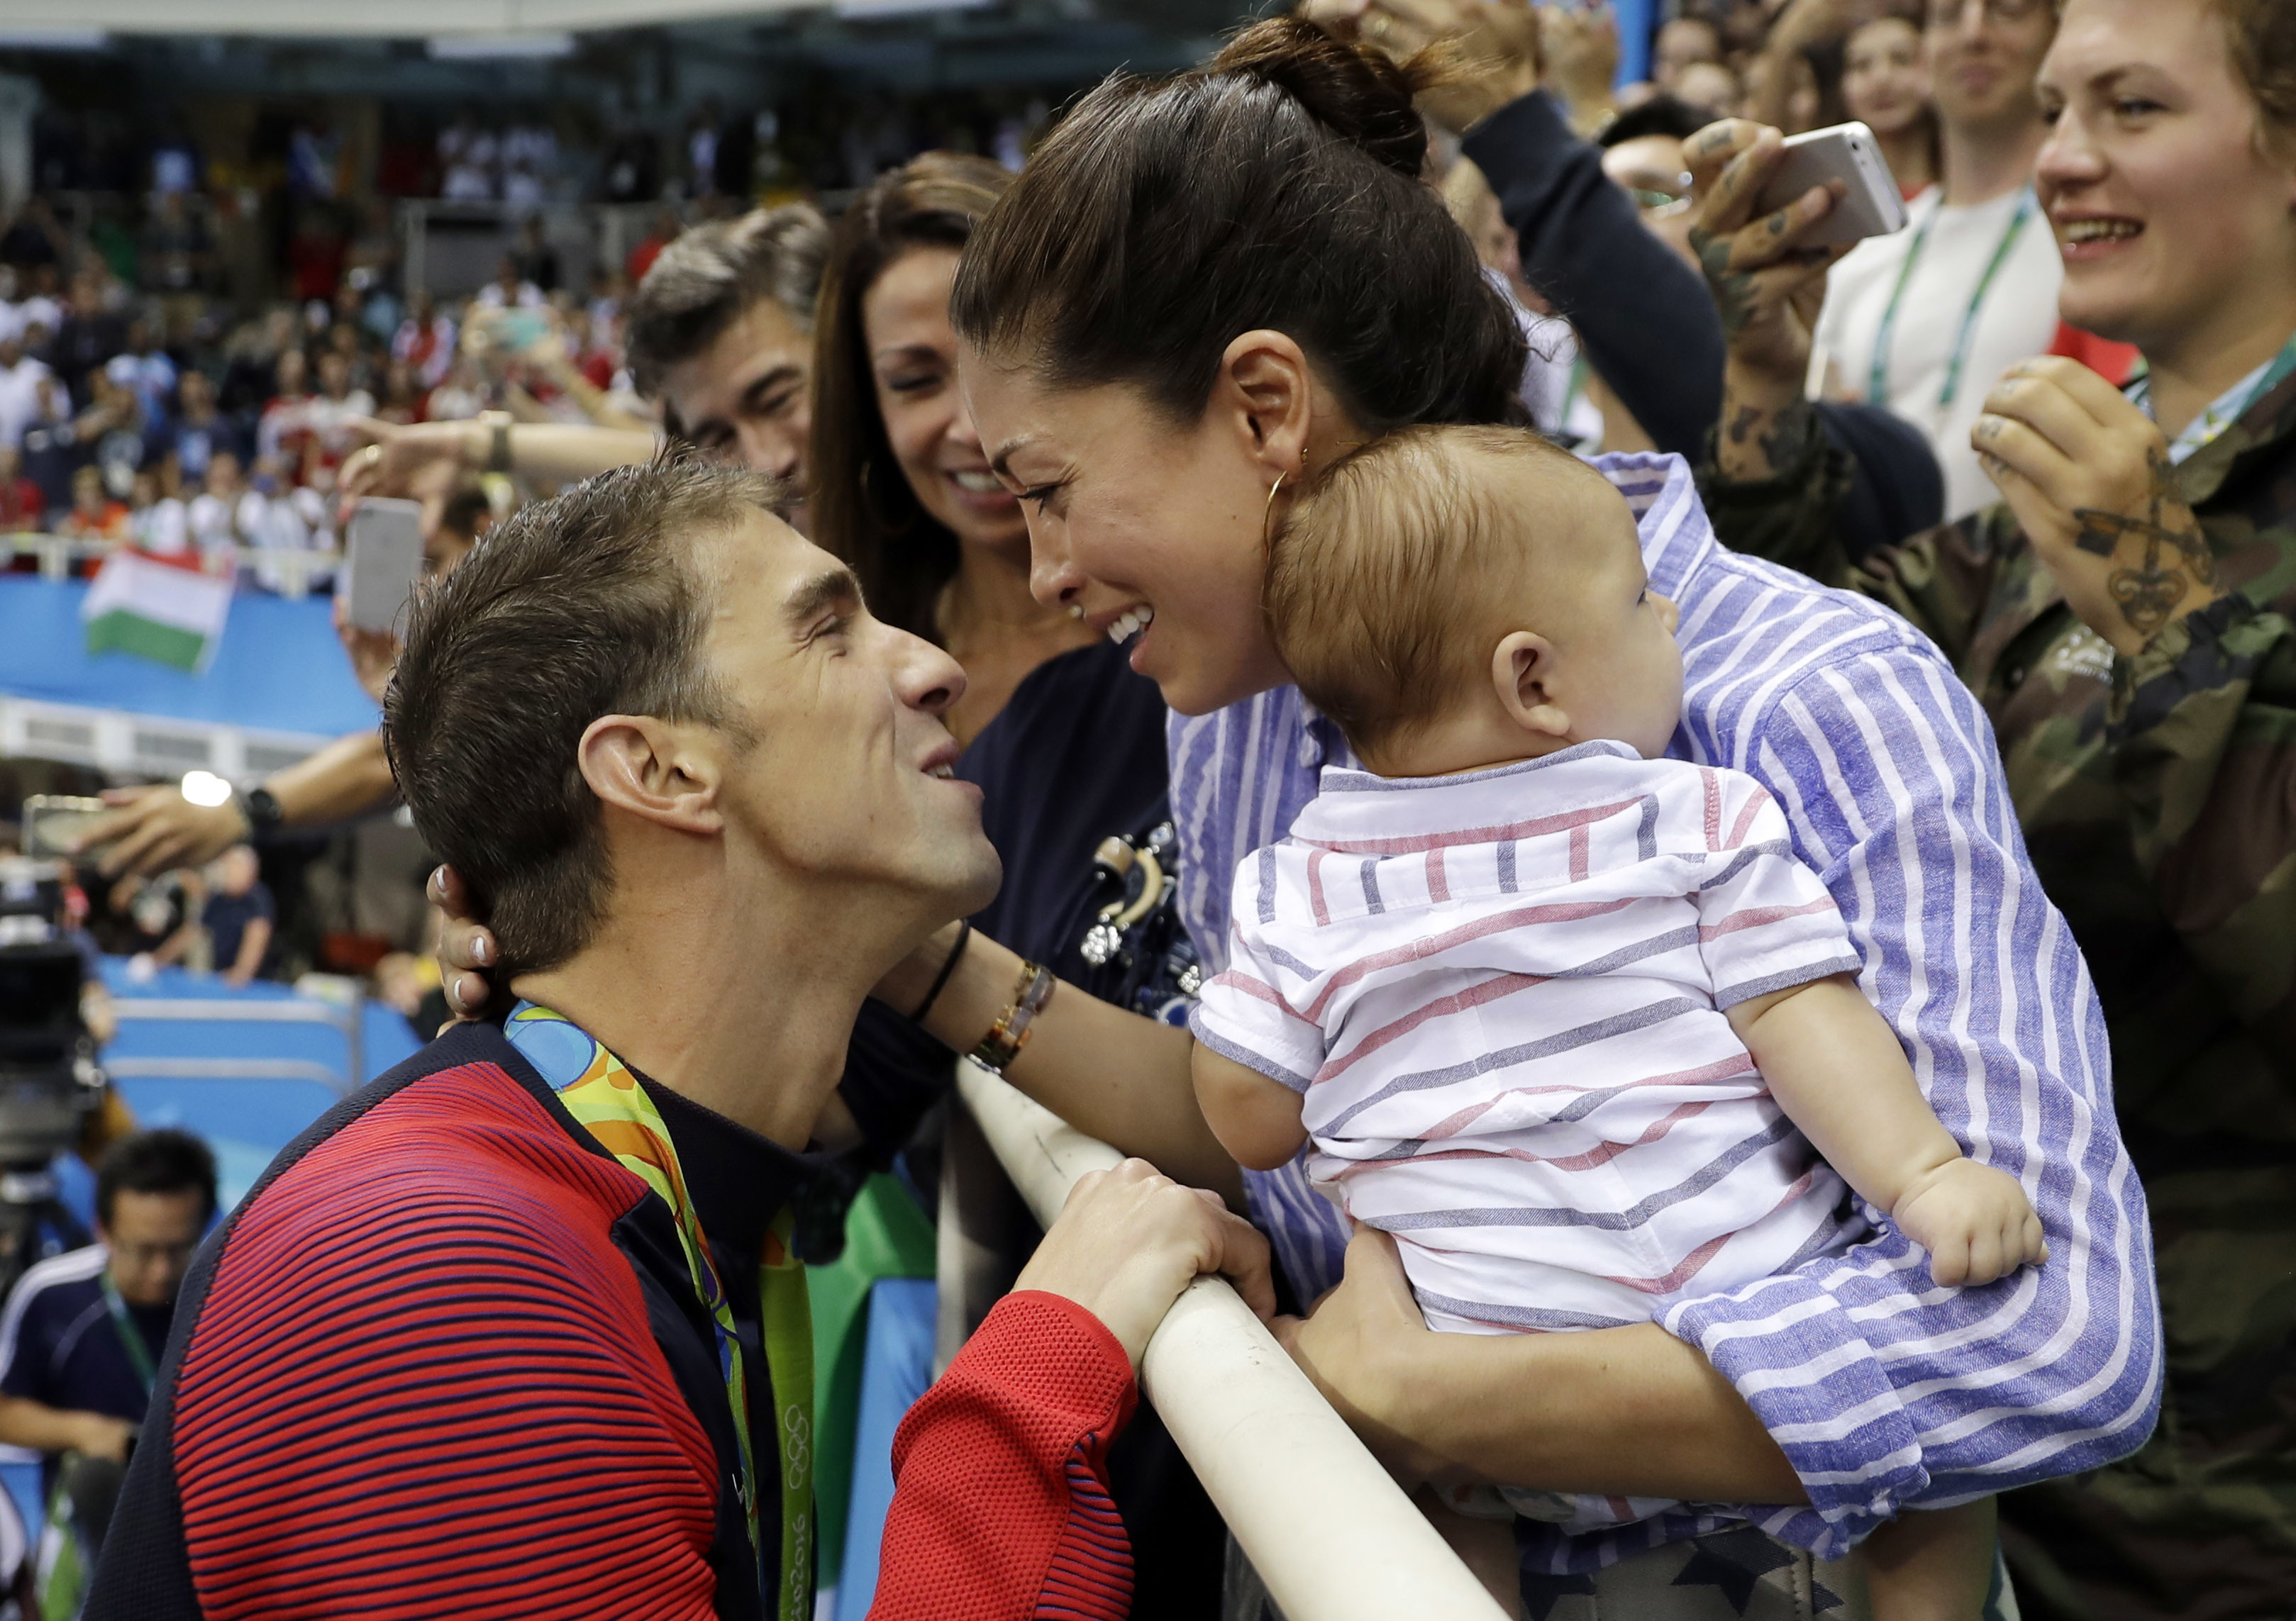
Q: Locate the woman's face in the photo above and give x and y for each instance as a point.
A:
(1153, 532)
(913, 361)
(2173, 223)
(1885, 79)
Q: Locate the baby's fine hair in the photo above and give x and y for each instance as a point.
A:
(1394, 564)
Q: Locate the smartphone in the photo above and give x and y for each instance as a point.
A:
(53, 822)
(385, 562)
(1874, 205)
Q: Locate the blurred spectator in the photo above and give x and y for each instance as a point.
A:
(51, 450)
(425, 341)
(286, 414)
(199, 429)
(328, 414)
(84, 1332)
(467, 160)
(659, 235)
(143, 370)
(93, 514)
(509, 289)
(460, 397)
(402, 395)
(20, 376)
(91, 334)
(1680, 42)
(40, 312)
(1712, 85)
(236, 921)
(213, 514)
(1885, 83)
(22, 503)
(157, 521)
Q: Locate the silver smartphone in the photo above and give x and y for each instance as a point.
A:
(385, 561)
(53, 822)
(1872, 205)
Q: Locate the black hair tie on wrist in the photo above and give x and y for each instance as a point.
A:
(940, 980)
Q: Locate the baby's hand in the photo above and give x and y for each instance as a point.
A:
(1975, 1222)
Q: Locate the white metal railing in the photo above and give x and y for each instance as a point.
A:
(1327, 1528)
(293, 570)
(220, 1010)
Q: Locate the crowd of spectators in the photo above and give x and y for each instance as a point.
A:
(126, 415)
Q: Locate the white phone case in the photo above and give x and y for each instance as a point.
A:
(1847, 152)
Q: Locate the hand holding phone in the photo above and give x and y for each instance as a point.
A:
(1871, 204)
(386, 561)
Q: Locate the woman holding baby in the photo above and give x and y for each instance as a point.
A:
(1200, 297)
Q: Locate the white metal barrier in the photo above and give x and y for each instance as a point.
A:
(1329, 1531)
(232, 1009)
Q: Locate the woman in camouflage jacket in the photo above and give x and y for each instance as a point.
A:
(2128, 618)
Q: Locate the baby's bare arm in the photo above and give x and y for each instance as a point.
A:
(1255, 1119)
(1835, 1067)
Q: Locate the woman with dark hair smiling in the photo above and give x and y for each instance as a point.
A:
(1201, 292)
(1065, 741)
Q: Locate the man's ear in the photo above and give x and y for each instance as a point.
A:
(1523, 668)
(1265, 386)
(665, 773)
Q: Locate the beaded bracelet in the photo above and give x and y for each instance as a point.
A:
(1011, 1032)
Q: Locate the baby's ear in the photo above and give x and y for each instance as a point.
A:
(1523, 667)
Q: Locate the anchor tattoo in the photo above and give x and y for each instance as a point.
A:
(2149, 592)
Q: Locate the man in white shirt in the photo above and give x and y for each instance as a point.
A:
(19, 387)
(1926, 321)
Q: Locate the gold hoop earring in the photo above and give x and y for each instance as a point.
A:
(1268, 517)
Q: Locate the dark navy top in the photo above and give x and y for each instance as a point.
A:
(60, 1347)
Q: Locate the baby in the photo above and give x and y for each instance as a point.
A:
(1562, 1015)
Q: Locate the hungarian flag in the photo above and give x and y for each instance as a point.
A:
(167, 608)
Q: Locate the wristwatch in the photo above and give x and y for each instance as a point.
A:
(260, 808)
(498, 424)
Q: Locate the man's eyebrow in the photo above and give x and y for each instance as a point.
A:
(778, 377)
(827, 589)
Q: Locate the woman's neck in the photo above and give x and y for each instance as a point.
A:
(999, 632)
(2188, 376)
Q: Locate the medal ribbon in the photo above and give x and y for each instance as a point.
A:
(605, 1097)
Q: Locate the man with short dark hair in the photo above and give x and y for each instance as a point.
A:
(517, 1328)
(720, 332)
(83, 1332)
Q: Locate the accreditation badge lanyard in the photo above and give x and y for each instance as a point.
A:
(1877, 381)
(605, 1097)
(131, 1338)
(2210, 426)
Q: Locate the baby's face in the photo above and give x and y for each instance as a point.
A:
(1616, 669)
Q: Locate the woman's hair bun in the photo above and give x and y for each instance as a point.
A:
(1359, 94)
